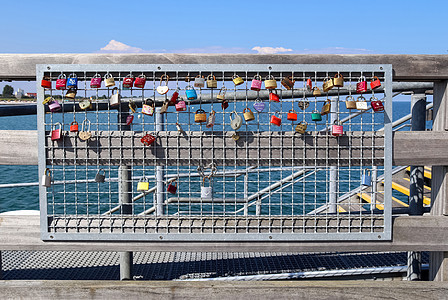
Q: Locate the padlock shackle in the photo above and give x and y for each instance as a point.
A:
(108, 75)
(373, 98)
(96, 76)
(269, 77)
(200, 76)
(235, 76)
(304, 122)
(361, 78)
(73, 123)
(258, 77)
(292, 110)
(151, 102)
(62, 76)
(200, 111)
(338, 75)
(101, 169)
(56, 124)
(349, 97)
(366, 172)
(247, 108)
(86, 122)
(167, 78)
(211, 76)
(374, 78)
(47, 172)
(361, 98)
(73, 75)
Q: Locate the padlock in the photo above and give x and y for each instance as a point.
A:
(128, 81)
(61, 82)
(143, 185)
(236, 122)
(276, 120)
(163, 89)
(95, 82)
(56, 134)
(179, 128)
(132, 106)
(211, 119)
(164, 107)
(309, 85)
(72, 81)
(148, 107)
(190, 92)
(273, 96)
(337, 129)
(338, 80)
(288, 82)
(172, 187)
(237, 80)
(211, 82)
(74, 126)
(148, 139)
(303, 104)
(327, 84)
(248, 114)
(129, 119)
(361, 85)
(350, 102)
(174, 97)
(71, 93)
(85, 133)
(222, 93)
(109, 80)
(259, 105)
(181, 105)
(256, 83)
(200, 116)
(140, 81)
(316, 116)
(46, 178)
(292, 115)
(375, 83)
(85, 104)
(206, 191)
(115, 99)
(270, 83)
(100, 177)
(46, 82)
(47, 100)
(301, 127)
(54, 106)
(366, 178)
(326, 108)
(316, 92)
(376, 104)
(224, 104)
(199, 81)
(235, 136)
(361, 103)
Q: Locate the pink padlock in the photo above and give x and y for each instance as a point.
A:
(256, 83)
(129, 119)
(56, 132)
(181, 106)
(61, 82)
(361, 86)
(337, 129)
(95, 82)
(54, 106)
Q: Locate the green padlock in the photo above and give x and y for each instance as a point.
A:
(316, 116)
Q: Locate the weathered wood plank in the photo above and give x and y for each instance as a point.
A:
(405, 67)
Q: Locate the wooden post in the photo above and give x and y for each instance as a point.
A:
(438, 261)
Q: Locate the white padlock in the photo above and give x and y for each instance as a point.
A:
(46, 178)
(115, 99)
(206, 191)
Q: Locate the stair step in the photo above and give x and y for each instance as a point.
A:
(404, 190)
(368, 199)
(426, 187)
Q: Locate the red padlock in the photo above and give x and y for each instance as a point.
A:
(140, 81)
(274, 97)
(95, 82)
(376, 104)
(276, 120)
(128, 81)
(74, 126)
(129, 119)
(292, 115)
(309, 85)
(375, 83)
(61, 82)
(337, 129)
(174, 97)
(361, 86)
(172, 188)
(148, 139)
(46, 82)
(56, 134)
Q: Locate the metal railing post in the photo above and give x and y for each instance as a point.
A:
(160, 173)
(332, 199)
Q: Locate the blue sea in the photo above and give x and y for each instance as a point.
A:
(26, 198)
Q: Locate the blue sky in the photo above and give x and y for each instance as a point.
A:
(370, 27)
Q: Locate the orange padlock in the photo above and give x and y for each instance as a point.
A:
(292, 115)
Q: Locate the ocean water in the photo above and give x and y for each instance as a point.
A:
(19, 198)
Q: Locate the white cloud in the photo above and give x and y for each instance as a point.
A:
(270, 50)
(118, 47)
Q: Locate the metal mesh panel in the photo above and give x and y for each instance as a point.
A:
(267, 182)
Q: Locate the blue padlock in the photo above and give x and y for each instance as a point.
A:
(366, 178)
(72, 81)
(190, 93)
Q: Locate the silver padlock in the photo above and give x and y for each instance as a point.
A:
(206, 191)
(46, 178)
(199, 81)
(236, 122)
(100, 177)
(211, 119)
(115, 99)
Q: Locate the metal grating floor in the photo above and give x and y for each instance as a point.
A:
(55, 265)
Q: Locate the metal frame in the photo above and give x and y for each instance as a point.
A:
(384, 234)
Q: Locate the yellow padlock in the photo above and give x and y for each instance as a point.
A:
(316, 92)
(211, 82)
(270, 83)
(248, 114)
(71, 93)
(327, 84)
(350, 102)
(237, 80)
(222, 93)
(326, 108)
(301, 127)
(143, 185)
(109, 80)
(338, 80)
(200, 116)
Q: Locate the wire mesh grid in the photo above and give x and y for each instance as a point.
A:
(237, 163)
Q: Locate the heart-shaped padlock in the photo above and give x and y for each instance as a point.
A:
(236, 122)
(258, 105)
(303, 104)
(163, 89)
